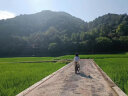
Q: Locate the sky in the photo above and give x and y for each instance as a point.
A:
(87, 10)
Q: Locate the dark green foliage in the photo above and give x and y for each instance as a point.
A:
(122, 29)
(103, 43)
(50, 33)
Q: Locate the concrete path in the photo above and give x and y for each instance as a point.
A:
(90, 82)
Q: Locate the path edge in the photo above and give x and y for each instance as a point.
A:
(110, 82)
(29, 89)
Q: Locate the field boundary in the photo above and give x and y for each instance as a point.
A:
(26, 91)
(40, 61)
(110, 82)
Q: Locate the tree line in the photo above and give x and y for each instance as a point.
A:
(50, 33)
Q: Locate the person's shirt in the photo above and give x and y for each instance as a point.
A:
(76, 58)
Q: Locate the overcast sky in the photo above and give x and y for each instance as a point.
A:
(87, 10)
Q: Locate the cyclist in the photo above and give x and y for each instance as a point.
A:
(76, 63)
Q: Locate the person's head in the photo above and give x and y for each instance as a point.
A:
(77, 54)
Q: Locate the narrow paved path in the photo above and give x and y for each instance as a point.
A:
(89, 82)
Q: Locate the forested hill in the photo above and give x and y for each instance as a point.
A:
(49, 33)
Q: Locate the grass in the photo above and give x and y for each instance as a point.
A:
(25, 59)
(117, 70)
(95, 56)
(15, 77)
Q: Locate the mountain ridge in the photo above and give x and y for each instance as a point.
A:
(47, 33)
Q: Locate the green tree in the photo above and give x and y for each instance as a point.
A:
(52, 46)
(122, 29)
(103, 44)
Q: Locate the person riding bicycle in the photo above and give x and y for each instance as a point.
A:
(76, 62)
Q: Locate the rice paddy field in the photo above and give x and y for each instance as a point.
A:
(117, 70)
(17, 74)
(95, 56)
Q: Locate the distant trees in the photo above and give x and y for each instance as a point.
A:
(122, 30)
(57, 33)
(52, 47)
(124, 43)
(103, 44)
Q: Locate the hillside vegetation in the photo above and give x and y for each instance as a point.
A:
(49, 33)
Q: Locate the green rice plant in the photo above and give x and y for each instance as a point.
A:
(93, 56)
(26, 59)
(15, 77)
(117, 70)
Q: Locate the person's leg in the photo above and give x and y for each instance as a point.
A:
(76, 68)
